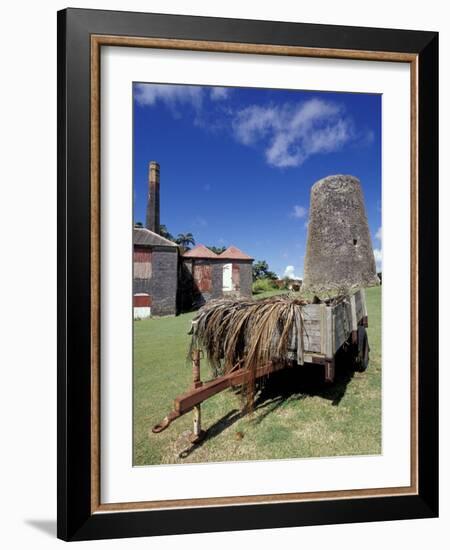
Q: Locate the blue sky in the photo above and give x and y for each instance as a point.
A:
(237, 164)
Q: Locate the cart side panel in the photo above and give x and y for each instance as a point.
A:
(360, 305)
(353, 316)
(342, 324)
(327, 336)
(364, 303)
(326, 328)
(311, 328)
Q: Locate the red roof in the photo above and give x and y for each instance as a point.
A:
(233, 253)
(200, 251)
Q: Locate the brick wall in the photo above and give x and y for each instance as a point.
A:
(164, 281)
(246, 278)
(193, 293)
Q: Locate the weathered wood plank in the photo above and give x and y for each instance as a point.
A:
(354, 320)
(348, 316)
(313, 325)
(340, 338)
(364, 303)
(315, 337)
(312, 331)
(328, 337)
(361, 310)
(325, 328)
(312, 348)
(312, 357)
(311, 312)
(311, 342)
(345, 321)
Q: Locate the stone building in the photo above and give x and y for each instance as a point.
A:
(339, 253)
(155, 261)
(155, 267)
(166, 282)
(207, 275)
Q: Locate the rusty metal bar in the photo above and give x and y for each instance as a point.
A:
(188, 400)
(197, 432)
(196, 356)
(165, 423)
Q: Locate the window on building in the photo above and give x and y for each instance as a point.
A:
(227, 277)
(142, 257)
(202, 274)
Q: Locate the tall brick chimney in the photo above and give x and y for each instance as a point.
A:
(152, 219)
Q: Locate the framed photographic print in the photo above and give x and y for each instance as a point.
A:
(247, 274)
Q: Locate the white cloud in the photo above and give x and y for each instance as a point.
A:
(377, 252)
(291, 133)
(290, 272)
(171, 95)
(174, 95)
(217, 93)
(299, 211)
(378, 234)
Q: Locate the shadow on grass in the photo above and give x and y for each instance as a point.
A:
(294, 383)
(298, 383)
(213, 431)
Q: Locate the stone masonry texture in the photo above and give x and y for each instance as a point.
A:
(192, 297)
(339, 253)
(164, 281)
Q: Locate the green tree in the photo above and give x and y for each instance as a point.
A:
(185, 240)
(139, 225)
(164, 232)
(217, 249)
(261, 271)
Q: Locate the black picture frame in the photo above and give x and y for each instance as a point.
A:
(75, 518)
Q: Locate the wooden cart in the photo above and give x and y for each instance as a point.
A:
(327, 326)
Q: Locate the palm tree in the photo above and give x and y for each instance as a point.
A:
(261, 271)
(185, 240)
(164, 232)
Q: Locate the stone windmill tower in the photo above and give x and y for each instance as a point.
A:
(339, 253)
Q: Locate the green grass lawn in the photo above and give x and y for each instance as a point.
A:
(269, 293)
(296, 415)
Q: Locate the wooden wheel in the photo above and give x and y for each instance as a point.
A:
(362, 351)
